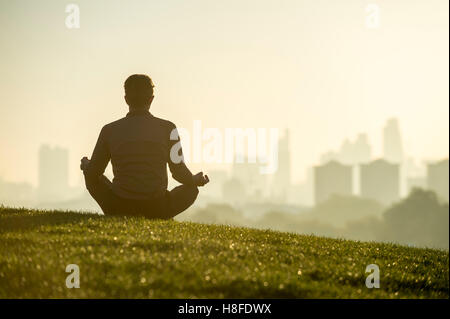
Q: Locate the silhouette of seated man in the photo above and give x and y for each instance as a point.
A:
(139, 147)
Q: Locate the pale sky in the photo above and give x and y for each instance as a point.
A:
(311, 66)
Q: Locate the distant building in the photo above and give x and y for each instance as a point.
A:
(350, 153)
(15, 193)
(215, 187)
(332, 178)
(53, 173)
(303, 193)
(437, 178)
(416, 182)
(414, 168)
(234, 192)
(415, 174)
(380, 180)
(392, 142)
(282, 178)
(362, 151)
(249, 176)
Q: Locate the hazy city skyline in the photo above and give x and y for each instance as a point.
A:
(350, 171)
(321, 73)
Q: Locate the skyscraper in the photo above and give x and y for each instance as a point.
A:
(249, 176)
(362, 152)
(351, 153)
(392, 142)
(380, 180)
(53, 173)
(332, 178)
(282, 177)
(437, 178)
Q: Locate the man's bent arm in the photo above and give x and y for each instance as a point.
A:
(181, 173)
(99, 160)
(179, 170)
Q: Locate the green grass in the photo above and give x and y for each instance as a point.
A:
(137, 258)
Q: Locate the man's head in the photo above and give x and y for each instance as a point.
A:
(139, 91)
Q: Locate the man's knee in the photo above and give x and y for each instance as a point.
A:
(181, 198)
(185, 196)
(90, 186)
(193, 192)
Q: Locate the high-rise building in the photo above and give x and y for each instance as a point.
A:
(351, 153)
(392, 142)
(437, 178)
(53, 173)
(248, 174)
(380, 180)
(362, 152)
(332, 178)
(282, 178)
(215, 188)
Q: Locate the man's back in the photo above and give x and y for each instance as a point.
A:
(139, 145)
(139, 148)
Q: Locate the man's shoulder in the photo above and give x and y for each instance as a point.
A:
(113, 124)
(164, 122)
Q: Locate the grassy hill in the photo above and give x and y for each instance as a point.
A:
(138, 258)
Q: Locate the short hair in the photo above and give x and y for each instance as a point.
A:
(138, 89)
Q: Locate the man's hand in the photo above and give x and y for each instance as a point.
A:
(84, 163)
(200, 179)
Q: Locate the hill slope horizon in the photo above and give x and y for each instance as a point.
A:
(133, 257)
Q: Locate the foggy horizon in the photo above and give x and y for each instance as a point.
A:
(319, 72)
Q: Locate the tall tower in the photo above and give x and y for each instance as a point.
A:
(332, 178)
(282, 178)
(392, 142)
(380, 180)
(437, 178)
(362, 149)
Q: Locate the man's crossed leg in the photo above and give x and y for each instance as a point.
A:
(165, 206)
